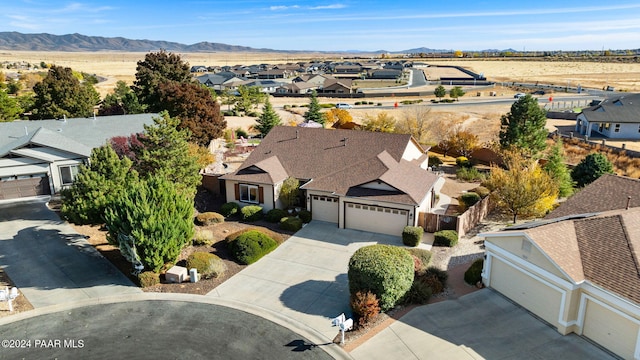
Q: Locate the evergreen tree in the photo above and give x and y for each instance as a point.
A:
(165, 152)
(556, 168)
(524, 126)
(440, 92)
(456, 92)
(9, 107)
(61, 94)
(97, 186)
(151, 222)
(268, 119)
(122, 101)
(313, 113)
(590, 168)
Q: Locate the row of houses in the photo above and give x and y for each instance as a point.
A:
(302, 84)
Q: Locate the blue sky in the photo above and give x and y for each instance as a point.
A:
(342, 24)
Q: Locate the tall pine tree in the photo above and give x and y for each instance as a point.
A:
(313, 113)
(524, 126)
(268, 119)
(556, 168)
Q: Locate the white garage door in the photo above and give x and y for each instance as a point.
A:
(325, 208)
(377, 219)
(610, 329)
(530, 293)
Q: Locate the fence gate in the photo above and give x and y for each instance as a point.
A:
(436, 222)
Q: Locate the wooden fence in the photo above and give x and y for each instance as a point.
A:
(462, 223)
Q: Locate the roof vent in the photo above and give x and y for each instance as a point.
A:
(628, 202)
(344, 141)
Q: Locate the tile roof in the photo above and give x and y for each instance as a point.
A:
(608, 192)
(621, 109)
(339, 161)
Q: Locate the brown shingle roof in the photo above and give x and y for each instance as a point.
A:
(337, 161)
(608, 192)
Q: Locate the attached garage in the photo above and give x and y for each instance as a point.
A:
(24, 186)
(325, 208)
(526, 290)
(610, 329)
(377, 219)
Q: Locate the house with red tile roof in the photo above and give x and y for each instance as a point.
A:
(369, 181)
(579, 268)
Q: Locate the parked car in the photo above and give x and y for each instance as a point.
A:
(519, 95)
(539, 92)
(343, 106)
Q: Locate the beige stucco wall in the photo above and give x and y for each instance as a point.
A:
(515, 246)
(268, 194)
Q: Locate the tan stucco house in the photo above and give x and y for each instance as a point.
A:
(360, 180)
(578, 272)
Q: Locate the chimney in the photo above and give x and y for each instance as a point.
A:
(628, 202)
(344, 141)
(64, 118)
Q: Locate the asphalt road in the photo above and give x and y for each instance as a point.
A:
(153, 330)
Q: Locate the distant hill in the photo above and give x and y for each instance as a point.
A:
(77, 42)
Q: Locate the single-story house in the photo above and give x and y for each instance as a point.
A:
(391, 74)
(337, 86)
(614, 118)
(41, 157)
(360, 180)
(577, 272)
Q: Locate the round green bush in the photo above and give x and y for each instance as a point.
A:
(251, 213)
(148, 278)
(434, 160)
(385, 270)
(419, 293)
(209, 218)
(274, 215)
(469, 199)
(229, 209)
(474, 273)
(208, 265)
(291, 223)
(445, 238)
(250, 246)
(412, 235)
(305, 216)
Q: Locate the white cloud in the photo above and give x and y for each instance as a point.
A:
(283, 7)
(325, 7)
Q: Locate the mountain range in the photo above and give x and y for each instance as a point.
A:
(78, 42)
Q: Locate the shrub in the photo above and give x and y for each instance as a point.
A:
(469, 199)
(208, 265)
(445, 238)
(272, 234)
(241, 133)
(412, 235)
(379, 104)
(250, 246)
(434, 160)
(469, 174)
(274, 215)
(203, 237)
(435, 278)
(462, 162)
(291, 223)
(423, 255)
(365, 306)
(229, 209)
(420, 293)
(474, 272)
(209, 218)
(482, 191)
(148, 278)
(251, 213)
(386, 271)
(305, 216)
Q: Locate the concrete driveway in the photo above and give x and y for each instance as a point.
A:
(49, 262)
(483, 324)
(305, 278)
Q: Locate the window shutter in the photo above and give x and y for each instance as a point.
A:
(237, 189)
(260, 194)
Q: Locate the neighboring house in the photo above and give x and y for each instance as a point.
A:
(198, 68)
(42, 157)
(221, 81)
(267, 86)
(300, 87)
(336, 86)
(388, 74)
(578, 272)
(361, 180)
(614, 118)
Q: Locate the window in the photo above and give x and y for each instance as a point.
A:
(639, 128)
(616, 128)
(68, 174)
(249, 193)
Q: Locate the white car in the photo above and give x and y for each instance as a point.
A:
(343, 106)
(519, 95)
